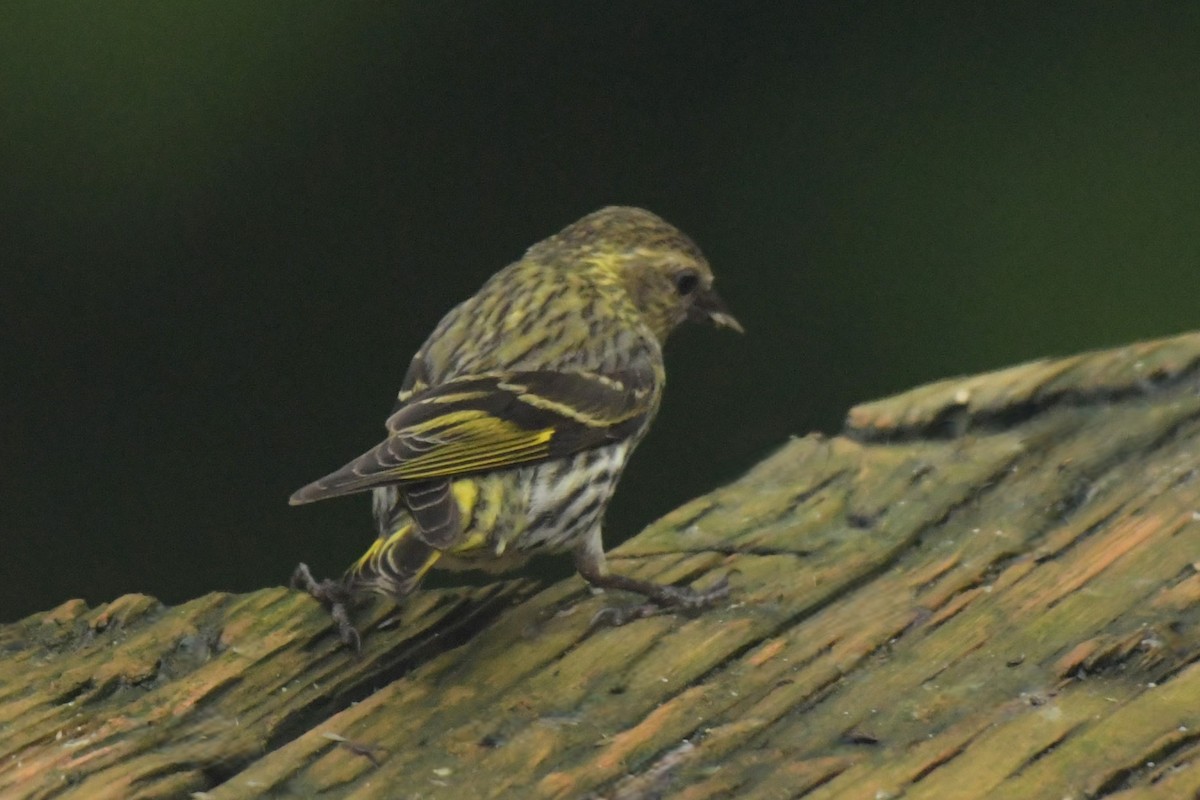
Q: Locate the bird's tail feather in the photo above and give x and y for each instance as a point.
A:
(347, 480)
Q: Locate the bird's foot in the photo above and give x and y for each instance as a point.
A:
(663, 598)
(336, 597)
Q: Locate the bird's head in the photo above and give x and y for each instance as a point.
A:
(663, 273)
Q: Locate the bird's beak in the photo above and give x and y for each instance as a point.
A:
(707, 306)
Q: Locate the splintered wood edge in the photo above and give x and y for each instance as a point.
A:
(955, 405)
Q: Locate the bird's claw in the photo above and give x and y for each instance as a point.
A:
(336, 597)
(667, 598)
(346, 630)
(685, 598)
(616, 616)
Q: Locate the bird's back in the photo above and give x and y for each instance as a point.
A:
(536, 316)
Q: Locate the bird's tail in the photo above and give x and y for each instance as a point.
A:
(368, 471)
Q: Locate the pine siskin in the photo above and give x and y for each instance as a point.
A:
(518, 414)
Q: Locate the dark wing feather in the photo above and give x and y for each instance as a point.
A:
(495, 421)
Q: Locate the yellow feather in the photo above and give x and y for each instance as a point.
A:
(486, 444)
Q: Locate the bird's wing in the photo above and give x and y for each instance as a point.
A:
(495, 421)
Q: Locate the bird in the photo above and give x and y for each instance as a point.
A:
(518, 414)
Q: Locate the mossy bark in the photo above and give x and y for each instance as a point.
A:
(988, 587)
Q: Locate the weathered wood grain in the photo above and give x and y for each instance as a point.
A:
(988, 587)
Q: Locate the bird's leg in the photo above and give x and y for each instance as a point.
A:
(592, 565)
(336, 596)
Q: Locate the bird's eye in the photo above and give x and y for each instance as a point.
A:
(686, 282)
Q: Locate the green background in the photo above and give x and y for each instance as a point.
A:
(226, 227)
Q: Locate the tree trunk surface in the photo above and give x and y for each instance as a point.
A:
(988, 587)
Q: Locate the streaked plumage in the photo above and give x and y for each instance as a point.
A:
(519, 412)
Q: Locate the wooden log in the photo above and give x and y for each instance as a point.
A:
(988, 587)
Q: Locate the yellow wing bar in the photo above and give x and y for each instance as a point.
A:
(496, 421)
